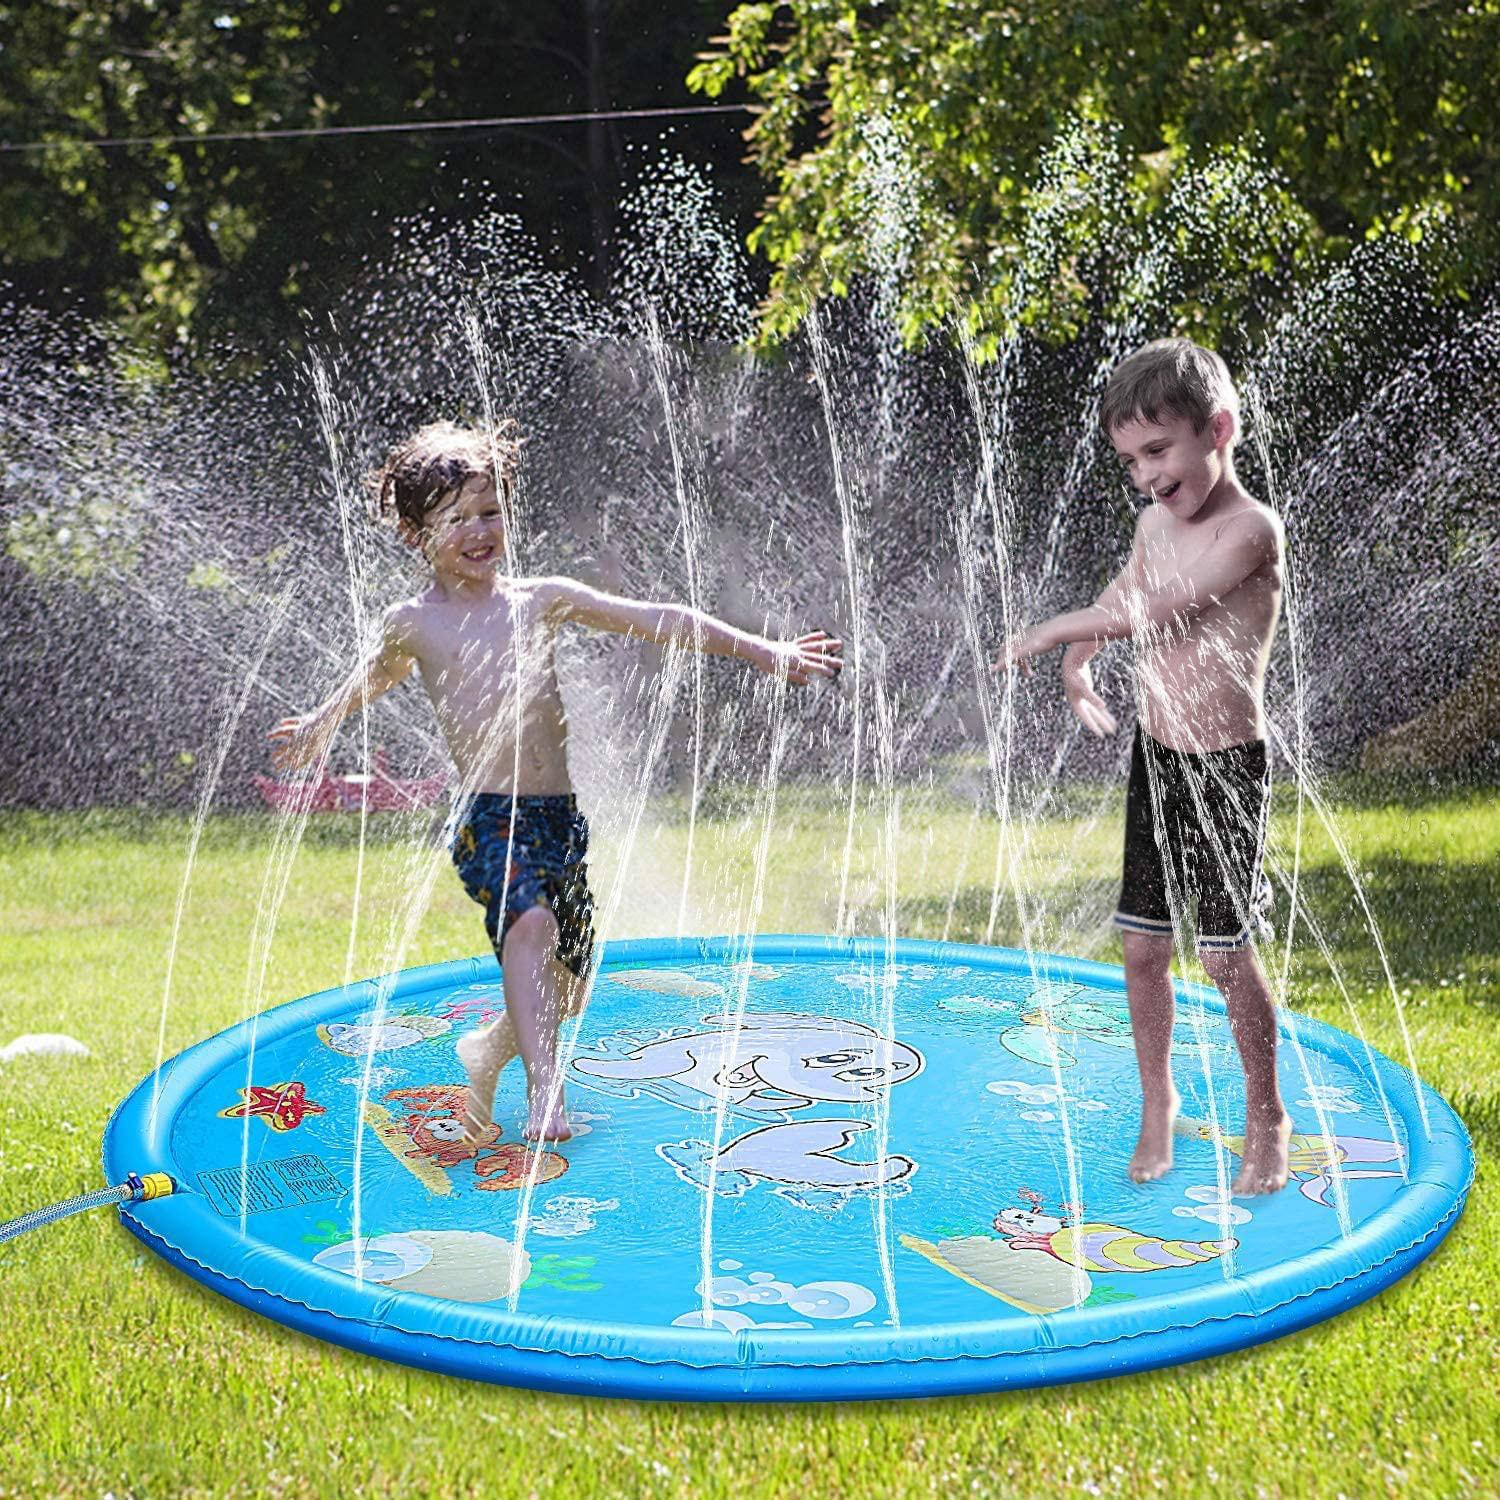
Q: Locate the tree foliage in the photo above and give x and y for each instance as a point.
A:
(187, 240)
(1366, 117)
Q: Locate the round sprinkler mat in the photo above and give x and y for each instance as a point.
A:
(804, 1169)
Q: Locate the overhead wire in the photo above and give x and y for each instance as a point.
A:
(494, 122)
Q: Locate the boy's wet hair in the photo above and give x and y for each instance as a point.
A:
(438, 459)
(1168, 378)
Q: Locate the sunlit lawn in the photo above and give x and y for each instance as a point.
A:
(118, 1375)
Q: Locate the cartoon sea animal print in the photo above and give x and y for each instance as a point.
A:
(563, 1273)
(1004, 994)
(1314, 1160)
(371, 1078)
(1039, 1037)
(391, 1134)
(823, 1300)
(1032, 1280)
(326, 1232)
(435, 1129)
(513, 1165)
(283, 1106)
(979, 1005)
(429, 1142)
(1102, 1296)
(1336, 1099)
(801, 1159)
(434, 1124)
(1105, 1248)
(464, 1265)
(365, 1034)
(481, 1010)
(1036, 1099)
(772, 1064)
(665, 982)
(566, 1216)
(1214, 1205)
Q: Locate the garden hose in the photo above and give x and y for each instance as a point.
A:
(135, 1189)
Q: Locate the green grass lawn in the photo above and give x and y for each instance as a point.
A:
(120, 1376)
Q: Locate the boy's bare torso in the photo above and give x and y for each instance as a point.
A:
(1201, 682)
(488, 665)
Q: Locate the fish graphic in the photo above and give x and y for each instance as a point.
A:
(1314, 1160)
(1050, 1033)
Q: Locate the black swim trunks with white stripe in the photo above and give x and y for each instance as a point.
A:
(1195, 828)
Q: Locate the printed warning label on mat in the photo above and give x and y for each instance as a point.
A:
(286, 1182)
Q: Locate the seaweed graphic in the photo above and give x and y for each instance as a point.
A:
(330, 1233)
(1102, 1294)
(962, 1229)
(567, 1273)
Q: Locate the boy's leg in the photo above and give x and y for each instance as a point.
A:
(533, 1001)
(1148, 986)
(483, 852)
(573, 990)
(1233, 905)
(542, 920)
(486, 1054)
(1252, 1018)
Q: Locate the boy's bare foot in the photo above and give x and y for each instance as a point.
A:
(1263, 1165)
(547, 1114)
(1153, 1150)
(480, 1063)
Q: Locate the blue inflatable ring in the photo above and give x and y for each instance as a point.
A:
(805, 1168)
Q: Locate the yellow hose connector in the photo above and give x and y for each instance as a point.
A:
(156, 1185)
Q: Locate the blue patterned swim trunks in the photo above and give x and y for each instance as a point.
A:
(514, 853)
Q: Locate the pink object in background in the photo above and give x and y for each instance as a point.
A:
(377, 792)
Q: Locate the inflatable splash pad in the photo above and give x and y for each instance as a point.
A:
(806, 1169)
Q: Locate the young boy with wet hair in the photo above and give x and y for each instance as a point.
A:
(483, 641)
(1199, 597)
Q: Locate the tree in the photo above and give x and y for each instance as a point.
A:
(1359, 118)
(181, 243)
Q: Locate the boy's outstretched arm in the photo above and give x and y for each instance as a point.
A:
(1134, 603)
(816, 654)
(1078, 687)
(305, 738)
(1078, 678)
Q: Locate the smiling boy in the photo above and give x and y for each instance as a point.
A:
(482, 640)
(1199, 597)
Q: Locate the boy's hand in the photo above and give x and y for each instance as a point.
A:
(303, 739)
(1078, 684)
(1021, 647)
(816, 654)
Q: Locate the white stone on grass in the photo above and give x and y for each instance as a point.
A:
(43, 1044)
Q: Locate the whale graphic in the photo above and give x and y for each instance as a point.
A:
(801, 1160)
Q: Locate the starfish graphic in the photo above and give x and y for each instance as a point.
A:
(483, 1012)
(283, 1106)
